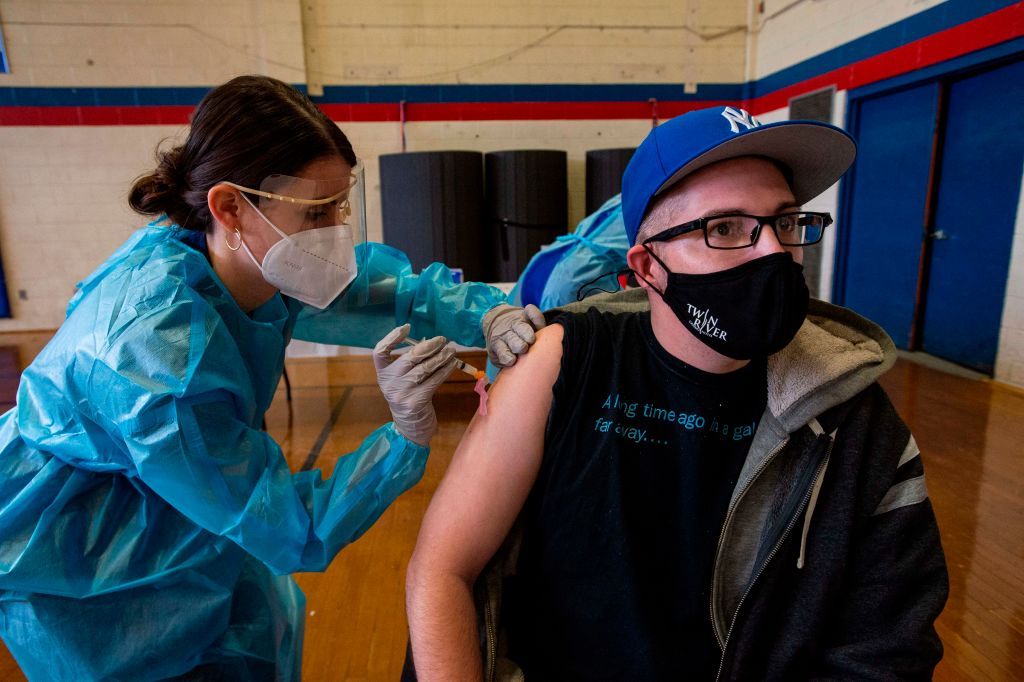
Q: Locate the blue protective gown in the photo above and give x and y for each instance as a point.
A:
(147, 525)
(595, 250)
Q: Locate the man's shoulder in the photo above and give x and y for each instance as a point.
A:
(542, 361)
(550, 338)
(628, 300)
(590, 320)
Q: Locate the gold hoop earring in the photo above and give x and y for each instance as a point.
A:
(237, 246)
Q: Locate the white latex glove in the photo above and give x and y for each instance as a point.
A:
(509, 331)
(408, 381)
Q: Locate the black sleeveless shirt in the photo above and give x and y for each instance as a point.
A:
(641, 455)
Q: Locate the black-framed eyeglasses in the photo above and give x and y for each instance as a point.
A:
(741, 230)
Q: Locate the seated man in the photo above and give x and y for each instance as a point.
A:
(715, 487)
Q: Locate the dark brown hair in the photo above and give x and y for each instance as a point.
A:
(241, 131)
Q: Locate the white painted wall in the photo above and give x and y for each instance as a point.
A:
(1010, 357)
(527, 41)
(63, 209)
(789, 31)
(140, 43)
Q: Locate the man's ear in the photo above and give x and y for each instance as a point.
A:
(225, 206)
(646, 268)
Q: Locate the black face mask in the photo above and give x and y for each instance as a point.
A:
(752, 310)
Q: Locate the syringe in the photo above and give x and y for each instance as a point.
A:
(459, 364)
(481, 378)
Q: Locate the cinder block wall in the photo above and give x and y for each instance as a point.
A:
(63, 189)
(526, 41)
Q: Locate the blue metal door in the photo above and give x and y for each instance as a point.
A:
(975, 211)
(884, 224)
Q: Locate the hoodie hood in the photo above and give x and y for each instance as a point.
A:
(835, 355)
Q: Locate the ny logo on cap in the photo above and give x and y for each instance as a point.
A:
(738, 118)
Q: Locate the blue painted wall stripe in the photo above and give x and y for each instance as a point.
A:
(370, 94)
(947, 15)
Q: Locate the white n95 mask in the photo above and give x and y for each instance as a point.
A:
(315, 258)
(313, 266)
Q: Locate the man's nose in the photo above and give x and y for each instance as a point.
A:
(768, 242)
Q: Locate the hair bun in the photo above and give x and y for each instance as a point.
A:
(168, 170)
(162, 190)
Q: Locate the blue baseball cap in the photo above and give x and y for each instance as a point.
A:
(817, 154)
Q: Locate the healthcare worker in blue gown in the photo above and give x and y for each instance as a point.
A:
(148, 526)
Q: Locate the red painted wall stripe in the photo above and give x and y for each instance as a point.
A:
(451, 111)
(985, 31)
(516, 111)
(94, 116)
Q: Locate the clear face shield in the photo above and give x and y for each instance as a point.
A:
(307, 212)
(295, 205)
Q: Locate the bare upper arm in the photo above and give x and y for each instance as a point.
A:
(493, 468)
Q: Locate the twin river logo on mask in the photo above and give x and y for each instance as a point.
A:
(653, 424)
(704, 323)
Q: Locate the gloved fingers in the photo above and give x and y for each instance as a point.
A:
(382, 351)
(501, 355)
(406, 364)
(516, 343)
(439, 375)
(428, 366)
(426, 348)
(535, 316)
(523, 329)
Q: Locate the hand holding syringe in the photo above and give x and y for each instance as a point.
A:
(479, 375)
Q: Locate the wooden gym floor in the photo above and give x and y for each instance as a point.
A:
(971, 434)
